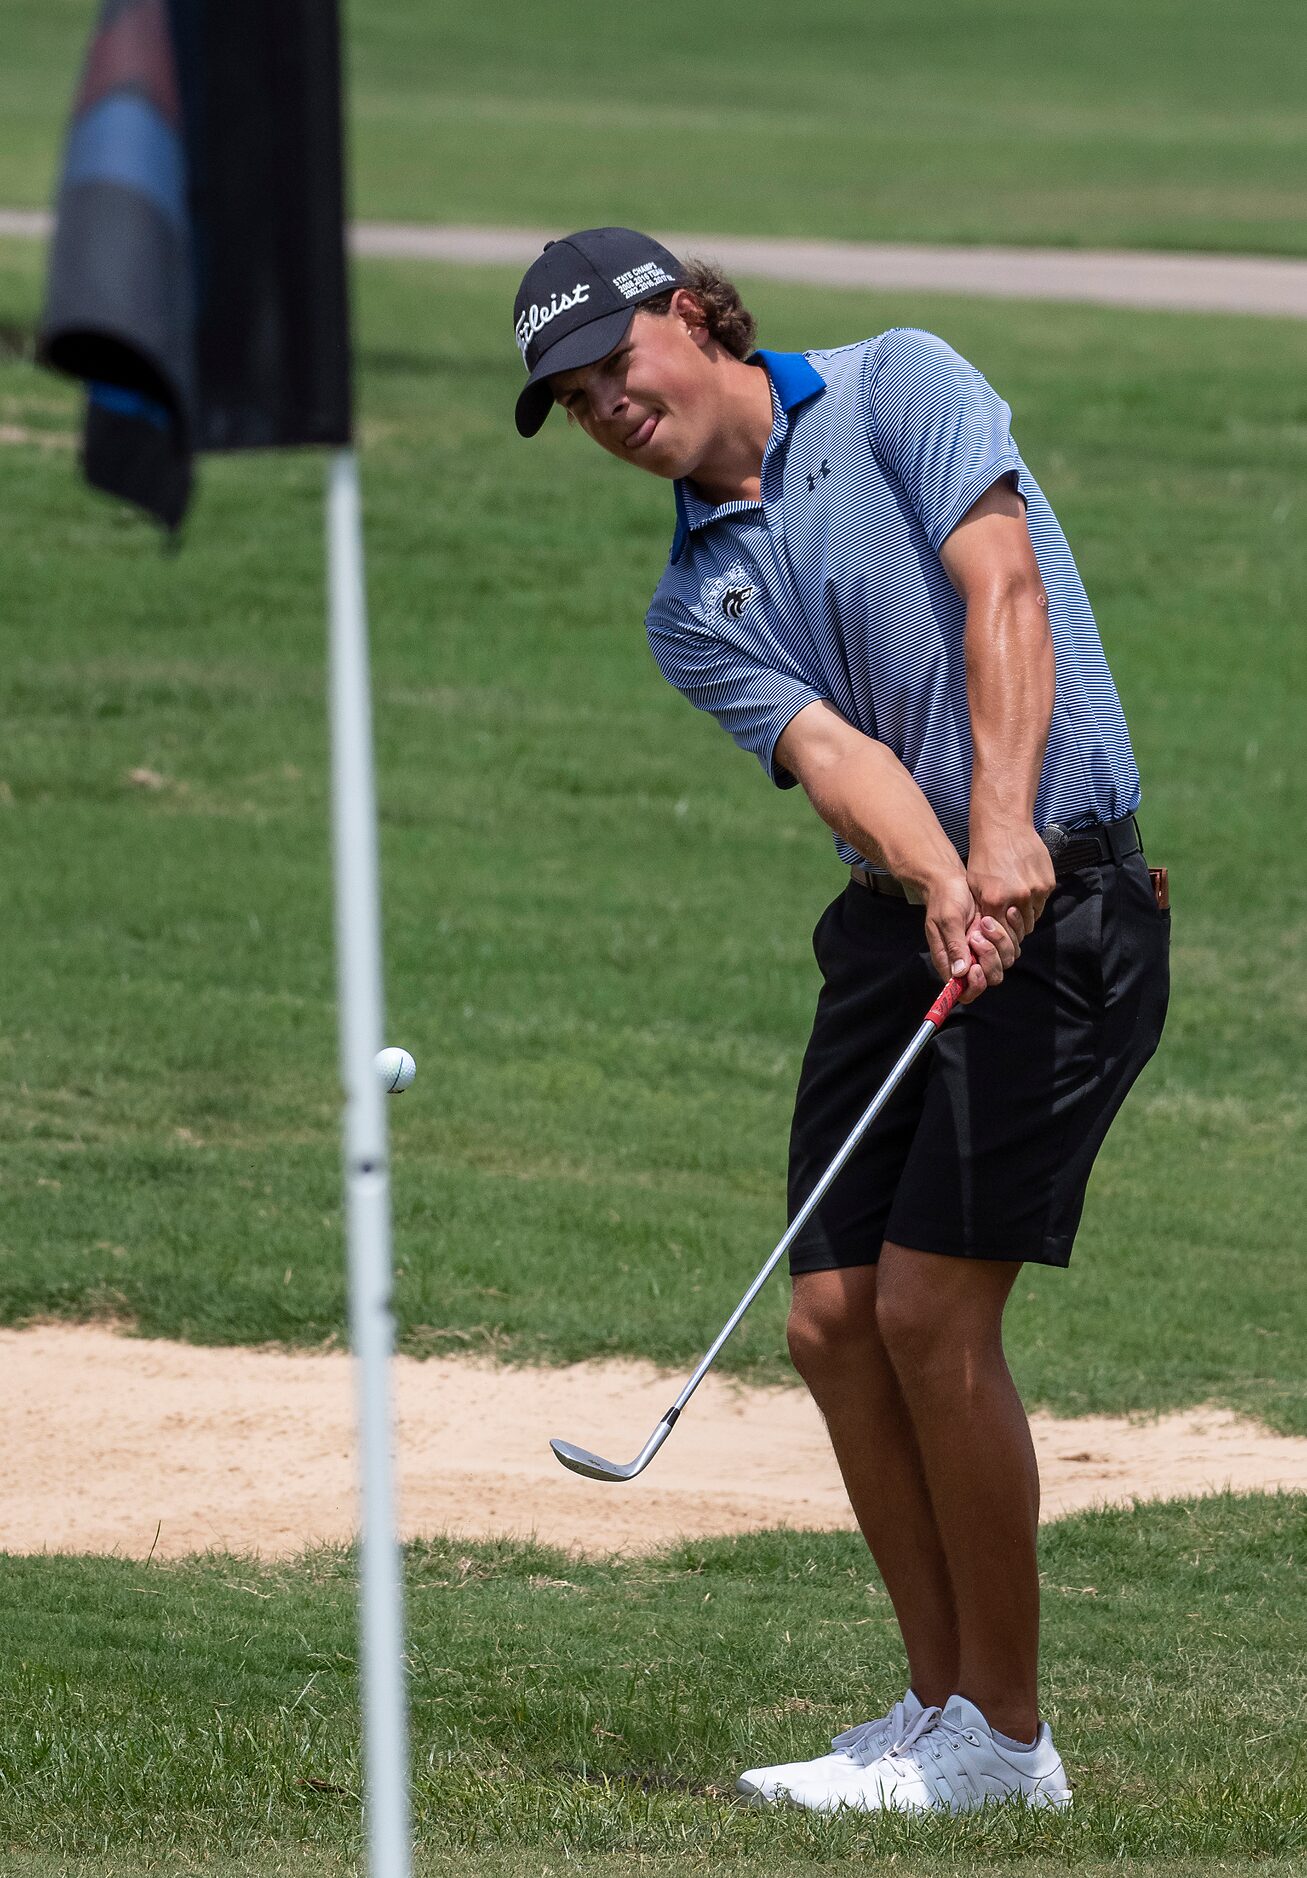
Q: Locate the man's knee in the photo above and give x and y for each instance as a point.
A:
(832, 1322)
(936, 1313)
(916, 1331)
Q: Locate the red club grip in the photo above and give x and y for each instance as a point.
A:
(945, 1002)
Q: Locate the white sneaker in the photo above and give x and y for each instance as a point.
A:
(855, 1749)
(949, 1762)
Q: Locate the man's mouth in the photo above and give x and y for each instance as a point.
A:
(640, 436)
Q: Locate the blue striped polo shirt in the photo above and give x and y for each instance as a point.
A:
(832, 587)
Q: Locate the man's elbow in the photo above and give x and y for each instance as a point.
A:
(815, 740)
(1007, 589)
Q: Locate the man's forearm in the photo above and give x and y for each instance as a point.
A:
(1010, 687)
(867, 796)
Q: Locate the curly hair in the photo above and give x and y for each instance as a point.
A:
(727, 318)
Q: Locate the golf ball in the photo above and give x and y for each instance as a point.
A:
(396, 1069)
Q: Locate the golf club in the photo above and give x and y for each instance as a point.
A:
(580, 1460)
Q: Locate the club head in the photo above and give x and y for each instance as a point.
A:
(593, 1466)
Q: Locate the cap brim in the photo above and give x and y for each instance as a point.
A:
(585, 346)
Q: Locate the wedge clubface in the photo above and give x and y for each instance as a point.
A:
(593, 1466)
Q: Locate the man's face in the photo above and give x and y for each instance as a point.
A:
(651, 400)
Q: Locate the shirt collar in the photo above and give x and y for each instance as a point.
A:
(794, 378)
(793, 382)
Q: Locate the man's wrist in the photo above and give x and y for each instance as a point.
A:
(928, 873)
(998, 822)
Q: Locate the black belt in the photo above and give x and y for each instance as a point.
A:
(1071, 849)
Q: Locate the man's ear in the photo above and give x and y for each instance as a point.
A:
(691, 315)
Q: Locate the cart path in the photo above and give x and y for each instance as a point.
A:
(1187, 283)
(107, 1440)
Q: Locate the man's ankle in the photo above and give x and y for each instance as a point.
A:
(1010, 1726)
(932, 1693)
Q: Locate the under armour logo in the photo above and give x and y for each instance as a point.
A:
(824, 471)
(734, 601)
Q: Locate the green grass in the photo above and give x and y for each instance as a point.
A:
(597, 911)
(1160, 123)
(570, 1709)
(527, 1862)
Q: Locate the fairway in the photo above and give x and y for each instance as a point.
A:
(597, 911)
(1136, 123)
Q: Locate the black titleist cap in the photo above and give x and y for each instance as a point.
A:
(576, 302)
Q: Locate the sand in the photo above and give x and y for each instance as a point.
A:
(117, 1444)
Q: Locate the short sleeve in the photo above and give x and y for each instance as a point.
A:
(938, 427)
(752, 699)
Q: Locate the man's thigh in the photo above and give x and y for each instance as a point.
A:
(877, 982)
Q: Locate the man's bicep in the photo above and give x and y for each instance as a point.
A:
(990, 547)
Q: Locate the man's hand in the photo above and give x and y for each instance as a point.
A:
(861, 790)
(964, 941)
(1010, 874)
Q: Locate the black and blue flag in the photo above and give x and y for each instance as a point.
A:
(197, 273)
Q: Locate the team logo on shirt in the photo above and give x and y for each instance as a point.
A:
(727, 593)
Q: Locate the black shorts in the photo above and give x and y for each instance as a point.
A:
(984, 1150)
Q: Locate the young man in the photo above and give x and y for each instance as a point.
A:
(869, 591)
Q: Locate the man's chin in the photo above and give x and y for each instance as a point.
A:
(651, 453)
(656, 462)
(666, 467)
(662, 456)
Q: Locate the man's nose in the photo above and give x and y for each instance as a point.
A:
(614, 400)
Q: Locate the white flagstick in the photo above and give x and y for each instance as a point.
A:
(367, 1177)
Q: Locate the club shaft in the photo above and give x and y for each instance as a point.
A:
(864, 1121)
(580, 1459)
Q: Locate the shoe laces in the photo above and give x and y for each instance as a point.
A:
(934, 1735)
(870, 1739)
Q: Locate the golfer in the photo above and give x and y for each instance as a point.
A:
(868, 590)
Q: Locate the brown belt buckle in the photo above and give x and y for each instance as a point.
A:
(1161, 887)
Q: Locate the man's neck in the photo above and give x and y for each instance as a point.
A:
(732, 470)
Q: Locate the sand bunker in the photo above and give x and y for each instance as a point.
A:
(117, 1444)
